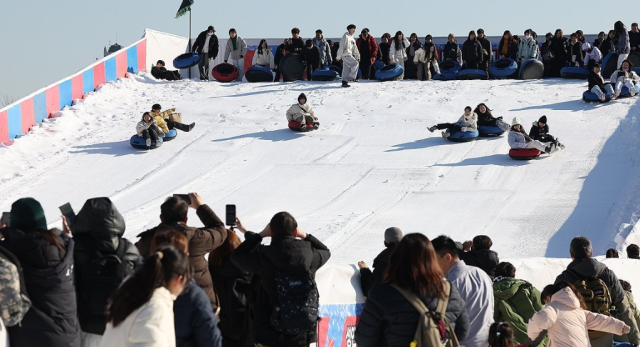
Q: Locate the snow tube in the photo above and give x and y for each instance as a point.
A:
(295, 126)
(336, 68)
(489, 131)
(140, 143)
(172, 134)
(622, 344)
(503, 68)
(225, 72)
(524, 153)
(574, 72)
(624, 93)
(531, 69)
(472, 74)
(185, 61)
(377, 65)
(258, 73)
(637, 70)
(464, 136)
(291, 67)
(390, 72)
(325, 74)
(588, 96)
(449, 66)
(609, 65)
(446, 76)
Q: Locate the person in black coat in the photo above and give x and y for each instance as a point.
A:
(280, 52)
(296, 43)
(487, 51)
(576, 55)
(368, 279)
(472, 52)
(285, 254)
(559, 48)
(600, 41)
(480, 255)
(634, 38)
(206, 45)
(311, 56)
(97, 232)
(451, 50)
(411, 69)
(507, 48)
(540, 131)
(609, 44)
(160, 72)
(388, 318)
(385, 47)
(46, 257)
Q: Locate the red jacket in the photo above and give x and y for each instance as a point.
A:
(373, 47)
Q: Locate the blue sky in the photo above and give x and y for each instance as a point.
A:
(44, 41)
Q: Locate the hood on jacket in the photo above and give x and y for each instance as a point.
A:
(508, 287)
(566, 297)
(587, 267)
(383, 257)
(99, 218)
(289, 253)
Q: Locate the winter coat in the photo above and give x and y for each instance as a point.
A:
(239, 52)
(527, 49)
(198, 45)
(162, 73)
(472, 51)
(348, 47)
(312, 57)
(516, 301)
(623, 46)
(538, 133)
(596, 80)
(52, 320)
(237, 291)
(589, 267)
(159, 118)
(559, 48)
(518, 140)
(98, 228)
(634, 39)
(512, 49)
(324, 51)
(399, 55)
(487, 49)
(368, 278)
(594, 55)
(285, 254)
(296, 46)
(485, 259)
(385, 48)
(151, 325)
(195, 323)
(266, 58)
(280, 52)
(609, 46)
(423, 56)
(621, 76)
(296, 111)
(575, 49)
(485, 118)
(201, 241)
(371, 47)
(470, 122)
(142, 126)
(566, 323)
(389, 319)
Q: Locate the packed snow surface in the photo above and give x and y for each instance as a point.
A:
(371, 165)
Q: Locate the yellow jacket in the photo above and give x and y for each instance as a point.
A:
(159, 117)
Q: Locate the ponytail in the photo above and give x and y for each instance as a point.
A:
(500, 335)
(159, 270)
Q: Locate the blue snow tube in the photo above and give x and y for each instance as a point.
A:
(448, 71)
(258, 73)
(531, 69)
(472, 74)
(624, 93)
(637, 70)
(378, 65)
(338, 69)
(609, 65)
(186, 60)
(172, 134)
(489, 131)
(588, 96)
(574, 72)
(325, 74)
(390, 72)
(464, 136)
(140, 143)
(503, 68)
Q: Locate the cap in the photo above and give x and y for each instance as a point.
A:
(586, 46)
(393, 235)
(211, 28)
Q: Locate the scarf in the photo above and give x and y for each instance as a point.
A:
(235, 44)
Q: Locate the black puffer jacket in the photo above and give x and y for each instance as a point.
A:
(283, 254)
(388, 319)
(487, 49)
(98, 228)
(198, 45)
(538, 133)
(560, 48)
(512, 49)
(485, 259)
(380, 264)
(48, 272)
(472, 51)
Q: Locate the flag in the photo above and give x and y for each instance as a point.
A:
(184, 7)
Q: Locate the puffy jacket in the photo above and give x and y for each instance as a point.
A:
(201, 241)
(470, 122)
(423, 56)
(368, 278)
(567, 324)
(575, 52)
(98, 228)
(280, 52)
(594, 55)
(516, 301)
(527, 49)
(285, 254)
(239, 52)
(512, 49)
(452, 52)
(198, 45)
(518, 139)
(370, 45)
(311, 56)
(623, 45)
(324, 51)
(159, 118)
(388, 319)
(266, 58)
(48, 274)
(485, 259)
(487, 51)
(296, 45)
(348, 47)
(151, 325)
(142, 126)
(472, 51)
(596, 80)
(559, 47)
(296, 111)
(385, 48)
(195, 323)
(621, 76)
(589, 267)
(538, 133)
(609, 46)
(399, 54)
(485, 118)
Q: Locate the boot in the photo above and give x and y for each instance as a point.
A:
(445, 134)
(547, 149)
(148, 142)
(433, 128)
(345, 84)
(303, 127)
(316, 125)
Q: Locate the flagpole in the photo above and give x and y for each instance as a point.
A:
(189, 38)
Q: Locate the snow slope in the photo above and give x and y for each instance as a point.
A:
(371, 165)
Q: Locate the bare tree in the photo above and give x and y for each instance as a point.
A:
(6, 99)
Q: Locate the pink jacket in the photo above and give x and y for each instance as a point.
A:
(567, 324)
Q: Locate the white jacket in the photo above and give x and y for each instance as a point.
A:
(151, 325)
(348, 47)
(266, 58)
(619, 76)
(296, 111)
(470, 122)
(400, 55)
(595, 55)
(517, 140)
(237, 54)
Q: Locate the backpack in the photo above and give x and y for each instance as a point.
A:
(434, 329)
(296, 310)
(14, 301)
(102, 276)
(596, 296)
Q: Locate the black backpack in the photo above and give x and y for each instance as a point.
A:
(102, 276)
(296, 309)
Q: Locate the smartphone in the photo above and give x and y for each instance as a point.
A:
(67, 211)
(183, 197)
(6, 218)
(231, 215)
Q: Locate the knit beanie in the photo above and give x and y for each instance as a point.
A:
(543, 120)
(27, 215)
(516, 121)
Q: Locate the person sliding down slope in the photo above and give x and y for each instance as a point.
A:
(485, 118)
(518, 139)
(168, 120)
(540, 131)
(467, 123)
(302, 113)
(148, 129)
